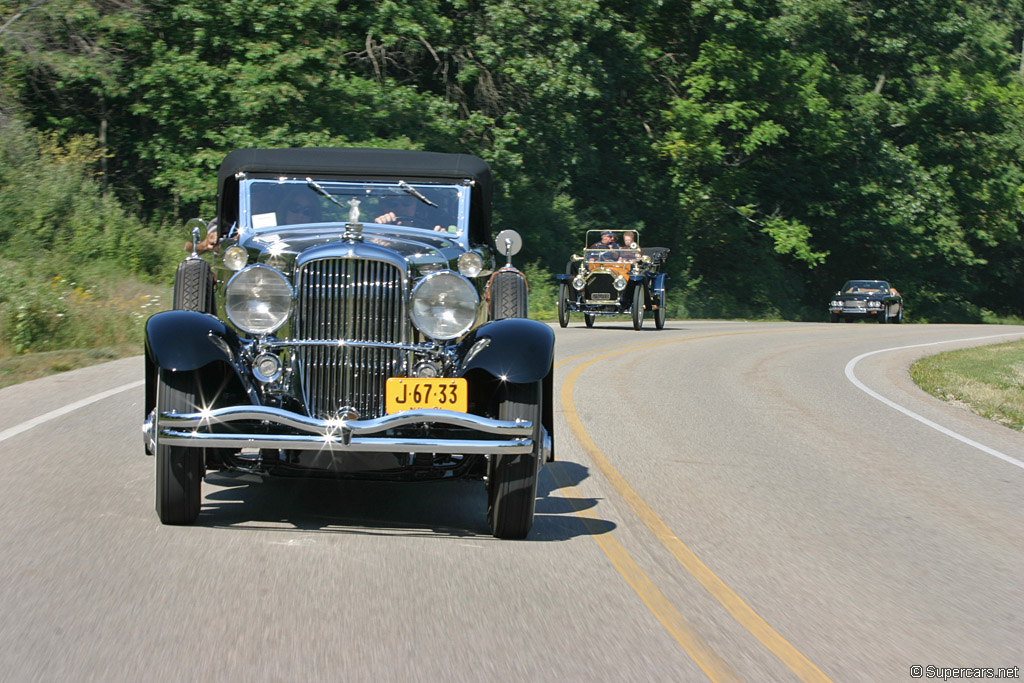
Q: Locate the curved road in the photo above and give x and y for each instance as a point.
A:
(732, 501)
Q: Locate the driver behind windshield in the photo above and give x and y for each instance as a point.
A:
(410, 211)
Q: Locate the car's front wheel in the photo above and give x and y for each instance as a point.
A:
(638, 307)
(588, 318)
(660, 313)
(883, 316)
(563, 305)
(833, 317)
(179, 470)
(512, 484)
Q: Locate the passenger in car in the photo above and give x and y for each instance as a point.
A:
(209, 242)
(631, 250)
(301, 208)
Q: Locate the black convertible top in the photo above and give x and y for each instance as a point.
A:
(355, 163)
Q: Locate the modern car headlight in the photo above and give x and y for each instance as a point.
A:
(874, 304)
(836, 304)
(258, 299)
(444, 305)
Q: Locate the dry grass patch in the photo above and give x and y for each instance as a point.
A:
(988, 380)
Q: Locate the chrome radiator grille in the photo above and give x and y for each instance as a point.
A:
(350, 300)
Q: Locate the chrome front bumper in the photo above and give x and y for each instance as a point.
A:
(289, 431)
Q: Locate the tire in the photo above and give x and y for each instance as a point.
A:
(588, 318)
(661, 313)
(833, 317)
(193, 287)
(883, 317)
(637, 307)
(509, 296)
(179, 470)
(512, 485)
(563, 305)
(899, 317)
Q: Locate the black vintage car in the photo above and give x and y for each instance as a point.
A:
(872, 299)
(349, 320)
(614, 275)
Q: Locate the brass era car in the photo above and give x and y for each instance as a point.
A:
(614, 275)
(349, 320)
(866, 299)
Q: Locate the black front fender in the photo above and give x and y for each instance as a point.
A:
(183, 341)
(188, 340)
(513, 350)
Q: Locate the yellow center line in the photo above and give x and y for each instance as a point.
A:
(728, 598)
(662, 608)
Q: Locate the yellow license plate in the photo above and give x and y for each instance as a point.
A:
(407, 393)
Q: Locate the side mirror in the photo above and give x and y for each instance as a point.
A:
(508, 243)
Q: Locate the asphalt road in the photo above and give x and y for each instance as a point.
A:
(732, 501)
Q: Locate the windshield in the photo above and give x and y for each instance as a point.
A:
(608, 246)
(865, 287)
(267, 204)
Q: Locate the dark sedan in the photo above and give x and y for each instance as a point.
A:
(872, 299)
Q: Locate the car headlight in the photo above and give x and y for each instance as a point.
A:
(444, 305)
(235, 258)
(471, 264)
(874, 304)
(258, 299)
(578, 282)
(836, 304)
(619, 284)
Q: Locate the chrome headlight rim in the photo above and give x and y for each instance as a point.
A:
(239, 289)
(424, 304)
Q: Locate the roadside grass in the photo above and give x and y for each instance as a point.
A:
(16, 369)
(988, 380)
(55, 325)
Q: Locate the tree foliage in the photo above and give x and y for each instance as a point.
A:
(778, 147)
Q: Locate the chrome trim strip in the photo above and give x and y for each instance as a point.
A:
(179, 429)
(337, 444)
(284, 418)
(426, 347)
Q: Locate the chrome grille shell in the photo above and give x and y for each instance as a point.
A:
(347, 294)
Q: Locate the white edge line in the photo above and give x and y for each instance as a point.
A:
(53, 414)
(948, 432)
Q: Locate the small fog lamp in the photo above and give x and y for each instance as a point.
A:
(426, 369)
(470, 264)
(235, 258)
(266, 367)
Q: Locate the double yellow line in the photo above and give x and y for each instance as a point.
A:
(705, 657)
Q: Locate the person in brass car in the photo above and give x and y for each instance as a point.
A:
(607, 241)
(630, 249)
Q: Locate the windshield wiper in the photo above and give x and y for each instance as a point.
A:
(315, 186)
(414, 192)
